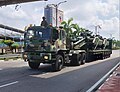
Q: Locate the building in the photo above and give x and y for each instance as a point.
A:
(50, 14)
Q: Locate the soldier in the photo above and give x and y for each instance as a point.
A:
(44, 22)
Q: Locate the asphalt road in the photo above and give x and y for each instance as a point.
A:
(16, 76)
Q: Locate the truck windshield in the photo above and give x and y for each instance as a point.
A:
(42, 33)
(30, 34)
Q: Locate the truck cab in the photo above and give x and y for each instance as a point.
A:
(42, 44)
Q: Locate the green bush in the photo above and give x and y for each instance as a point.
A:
(15, 45)
(8, 42)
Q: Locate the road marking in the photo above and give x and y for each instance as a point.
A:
(8, 84)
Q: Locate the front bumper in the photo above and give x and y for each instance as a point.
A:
(42, 57)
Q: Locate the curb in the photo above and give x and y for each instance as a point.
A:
(101, 81)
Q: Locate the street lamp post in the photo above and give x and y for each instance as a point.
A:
(56, 14)
(119, 26)
(20, 44)
(96, 29)
(56, 6)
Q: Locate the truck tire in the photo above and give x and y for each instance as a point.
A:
(101, 56)
(58, 63)
(76, 60)
(83, 59)
(33, 65)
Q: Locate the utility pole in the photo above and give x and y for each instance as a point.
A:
(96, 29)
(119, 25)
(56, 6)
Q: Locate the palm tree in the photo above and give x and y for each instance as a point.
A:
(67, 25)
(78, 30)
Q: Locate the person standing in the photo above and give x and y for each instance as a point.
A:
(44, 22)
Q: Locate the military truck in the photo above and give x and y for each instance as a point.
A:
(51, 45)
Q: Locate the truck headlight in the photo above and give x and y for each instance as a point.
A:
(45, 57)
(24, 56)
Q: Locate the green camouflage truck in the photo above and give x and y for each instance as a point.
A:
(51, 45)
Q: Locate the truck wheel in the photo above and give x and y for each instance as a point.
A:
(83, 59)
(76, 60)
(34, 65)
(101, 56)
(58, 63)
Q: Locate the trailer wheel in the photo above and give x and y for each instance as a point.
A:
(58, 63)
(83, 59)
(101, 56)
(76, 60)
(34, 65)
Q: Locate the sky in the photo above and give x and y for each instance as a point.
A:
(86, 13)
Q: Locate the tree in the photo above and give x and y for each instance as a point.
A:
(78, 30)
(8, 42)
(72, 30)
(11, 44)
(115, 44)
(67, 25)
(15, 45)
